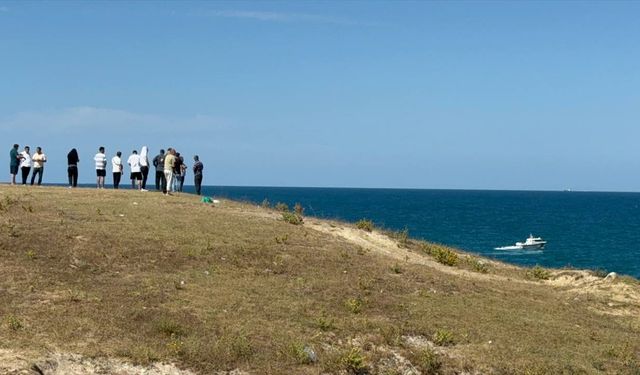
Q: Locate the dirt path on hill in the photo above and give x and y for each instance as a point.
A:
(382, 244)
(619, 298)
(615, 297)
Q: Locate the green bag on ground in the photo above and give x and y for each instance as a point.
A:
(206, 200)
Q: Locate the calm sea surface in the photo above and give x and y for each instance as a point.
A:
(584, 230)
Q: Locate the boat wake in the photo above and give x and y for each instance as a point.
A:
(514, 250)
(508, 248)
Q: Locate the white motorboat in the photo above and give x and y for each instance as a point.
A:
(530, 243)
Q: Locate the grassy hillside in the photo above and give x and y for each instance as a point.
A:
(140, 278)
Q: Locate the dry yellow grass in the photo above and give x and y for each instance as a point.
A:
(144, 278)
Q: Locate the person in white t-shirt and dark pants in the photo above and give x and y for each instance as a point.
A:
(25, 164)
(116, 164)
(101, 167)
(136, 173)
(39, 158)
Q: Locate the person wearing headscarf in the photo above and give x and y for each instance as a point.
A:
(144, 165)
(72, 167)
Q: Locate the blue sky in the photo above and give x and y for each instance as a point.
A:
(477, 95)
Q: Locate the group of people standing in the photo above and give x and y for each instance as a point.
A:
(138, 163)
(24, 162)
(170, 168)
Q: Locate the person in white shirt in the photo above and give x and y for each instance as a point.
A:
(144, 165)
(39, 158)
(116, 164)
(136, 174)
(25, 164)
(101, 167)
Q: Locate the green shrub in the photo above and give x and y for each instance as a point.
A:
(599, 272)
(12, 230)
(282, 239)
(540, 273)
(75, 295)
(441, 254)
(366, 283)
(176, 346)
(298, 209)
(365, 224)
(391, 334)
(443, 337)
(396, 269)
(169, 328)
(209, 247)
(301, 353)
(265, 203)
(237, 346)
(282, 207)
(478, 265)
(354, 305)
(14, 323)
(292, 218)
(402, 237)
(353, 361)
(428, 361)
(325, 323)
(446, 257)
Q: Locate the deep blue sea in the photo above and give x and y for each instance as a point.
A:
(583, 230)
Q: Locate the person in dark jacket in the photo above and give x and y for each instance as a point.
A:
(158, 162)
(197, 173)
(72, 169)
(177, 172)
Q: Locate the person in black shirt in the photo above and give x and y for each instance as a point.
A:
(197, 173)
(72, 169)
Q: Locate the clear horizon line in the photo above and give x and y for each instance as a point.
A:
(125, 186)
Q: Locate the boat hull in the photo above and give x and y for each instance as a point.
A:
(531, 246)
